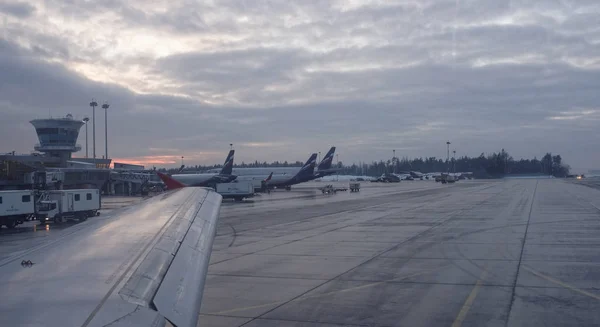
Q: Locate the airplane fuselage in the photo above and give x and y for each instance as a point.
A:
(203, 179)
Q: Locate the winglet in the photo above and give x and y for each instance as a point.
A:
(269, 178)
(169, 181)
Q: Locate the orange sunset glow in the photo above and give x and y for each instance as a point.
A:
(173, 160)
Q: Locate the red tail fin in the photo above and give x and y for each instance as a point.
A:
(170, 182)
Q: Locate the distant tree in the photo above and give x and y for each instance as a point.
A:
(547, 164)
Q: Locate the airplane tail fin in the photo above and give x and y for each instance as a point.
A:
(228, 165)
(327, 160)
(309, 166)
(181, 168)
(169, 181)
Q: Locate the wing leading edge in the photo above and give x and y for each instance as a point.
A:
(144, 265)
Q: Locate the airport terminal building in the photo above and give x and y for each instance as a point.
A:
(52, 162)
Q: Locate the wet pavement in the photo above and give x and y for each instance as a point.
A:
(418, 253)
(476, 253)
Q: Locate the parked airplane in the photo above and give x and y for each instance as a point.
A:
(388, 178)
(323, 169)
(305, 174)
(224, 176)
(413, 174)
(145, 266)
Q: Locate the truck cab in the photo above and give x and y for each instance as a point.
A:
(47, 209)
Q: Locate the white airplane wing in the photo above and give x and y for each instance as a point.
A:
(143, 266)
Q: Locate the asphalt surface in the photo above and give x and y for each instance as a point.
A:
(476, 253)
(500, 253)
(593, 182)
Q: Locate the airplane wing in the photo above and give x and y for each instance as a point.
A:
(141, 266)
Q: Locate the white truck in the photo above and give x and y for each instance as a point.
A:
(15, 207)
(61, 205)
(237, 191)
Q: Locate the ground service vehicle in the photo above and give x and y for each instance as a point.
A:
(447, 178)
(16, 207)
(354, 187)
(61, 205)
(237, 191)
(327, 189)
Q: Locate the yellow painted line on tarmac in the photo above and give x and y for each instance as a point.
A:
(224, 312)
(462, 314)
(563, 284)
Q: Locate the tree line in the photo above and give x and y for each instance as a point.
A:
(484, 166)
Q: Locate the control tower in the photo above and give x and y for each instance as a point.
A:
(58, 136)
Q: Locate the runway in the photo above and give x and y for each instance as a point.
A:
(498, 253)
(521, 252)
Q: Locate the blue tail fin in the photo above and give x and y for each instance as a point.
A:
(309, 167)
(325, 164)
(228, 165)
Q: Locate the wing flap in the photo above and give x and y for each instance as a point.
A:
(143, 317)
(174, 300)
(187, 224)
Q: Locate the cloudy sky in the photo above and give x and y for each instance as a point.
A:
(281, 79)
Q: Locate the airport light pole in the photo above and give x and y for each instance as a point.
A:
(230, 146)
(448, 154)
(319, 157)
(94, 104)
(105, 107)
(182, 160)
(86, 120)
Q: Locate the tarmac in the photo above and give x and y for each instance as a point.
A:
(476, 253)
(521, 252)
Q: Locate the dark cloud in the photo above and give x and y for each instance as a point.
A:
(31, 82)
(282, 79)
(17, 9)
